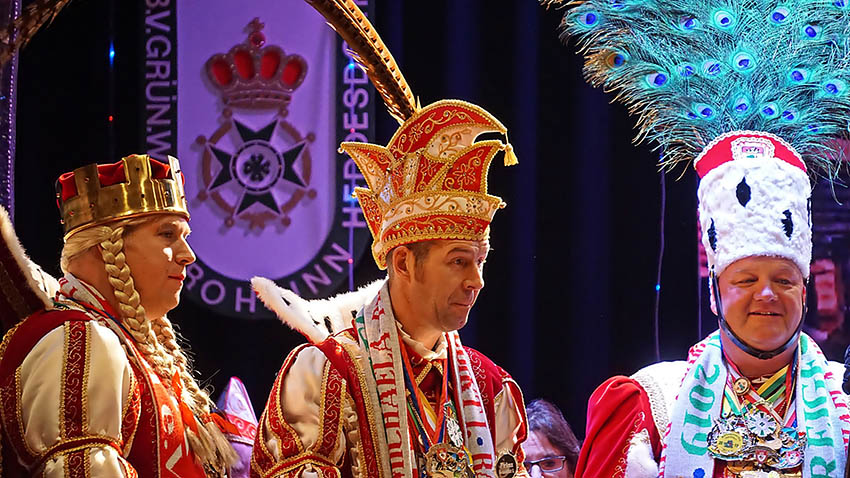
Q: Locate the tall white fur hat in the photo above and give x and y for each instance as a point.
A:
(754, 200)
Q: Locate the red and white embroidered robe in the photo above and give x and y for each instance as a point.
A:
(78, 400)
(627, 418)
(317, 422)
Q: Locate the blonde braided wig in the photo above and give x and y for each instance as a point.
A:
(155, 338)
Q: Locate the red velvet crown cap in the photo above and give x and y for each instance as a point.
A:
(108, 175)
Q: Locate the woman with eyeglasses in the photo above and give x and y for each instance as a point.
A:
(551, 449)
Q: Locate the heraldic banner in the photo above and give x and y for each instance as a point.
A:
(254, 98)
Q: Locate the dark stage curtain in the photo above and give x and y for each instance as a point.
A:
(570, 283)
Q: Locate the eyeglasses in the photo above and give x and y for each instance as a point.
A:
(549, 464)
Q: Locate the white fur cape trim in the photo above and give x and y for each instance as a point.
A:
(639, 460)
(318, 318)
(43, 284)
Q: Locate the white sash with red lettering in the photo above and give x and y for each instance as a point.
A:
(378, 334)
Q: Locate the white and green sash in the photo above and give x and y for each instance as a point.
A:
(821, 412)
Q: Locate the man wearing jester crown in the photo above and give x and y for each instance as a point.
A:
(753, 93)
(385, 388)
(93, 381)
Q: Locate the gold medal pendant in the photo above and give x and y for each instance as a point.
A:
(507, 465)
(741, 386)
(448, 461)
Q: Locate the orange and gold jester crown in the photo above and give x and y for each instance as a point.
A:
(138, 184)
(430, 181)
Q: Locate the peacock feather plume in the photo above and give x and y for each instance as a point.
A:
(691, 70)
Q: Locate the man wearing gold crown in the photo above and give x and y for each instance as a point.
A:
(93, 382)
(385, 388)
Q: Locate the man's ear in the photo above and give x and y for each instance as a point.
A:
(402, 263)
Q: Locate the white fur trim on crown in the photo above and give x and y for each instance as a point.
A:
(44, 285)
(776, 201)
(312, 318)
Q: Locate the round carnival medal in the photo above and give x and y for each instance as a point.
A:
(790, 459)
(761, 474)
(760, 423)
(728, 444)
(741, 386)
(506, 465)
(447, 461)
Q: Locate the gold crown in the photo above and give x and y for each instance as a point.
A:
(95, 194)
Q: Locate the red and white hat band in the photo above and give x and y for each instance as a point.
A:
(754, 201)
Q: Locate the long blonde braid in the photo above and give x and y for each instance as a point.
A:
(156, 338)
(131, 310)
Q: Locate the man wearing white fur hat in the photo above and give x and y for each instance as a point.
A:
(385, 388)
(757, 395)
(746, 90)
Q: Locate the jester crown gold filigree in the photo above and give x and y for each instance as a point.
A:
(430, 181)
(137, 185)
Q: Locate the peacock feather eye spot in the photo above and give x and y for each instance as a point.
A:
(812, 128)
(769, 110)
(779, 15)
(688, 23)
(703, 111)
(723, 19)
(788, 115)
(831, 88)
(711, 68)
(743, 62)
(840, 3)
(811, 32)
(742, 108)
(686, 71)
(797, 76)
(619, 60)
(617, 4)
(656, 80)
(589, 19)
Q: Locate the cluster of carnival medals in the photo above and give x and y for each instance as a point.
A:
(444, 460)
(448, 460)
(754, 443)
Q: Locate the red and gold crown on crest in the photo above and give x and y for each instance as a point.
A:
(256, 76)
(430, 181)
(137, 185)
